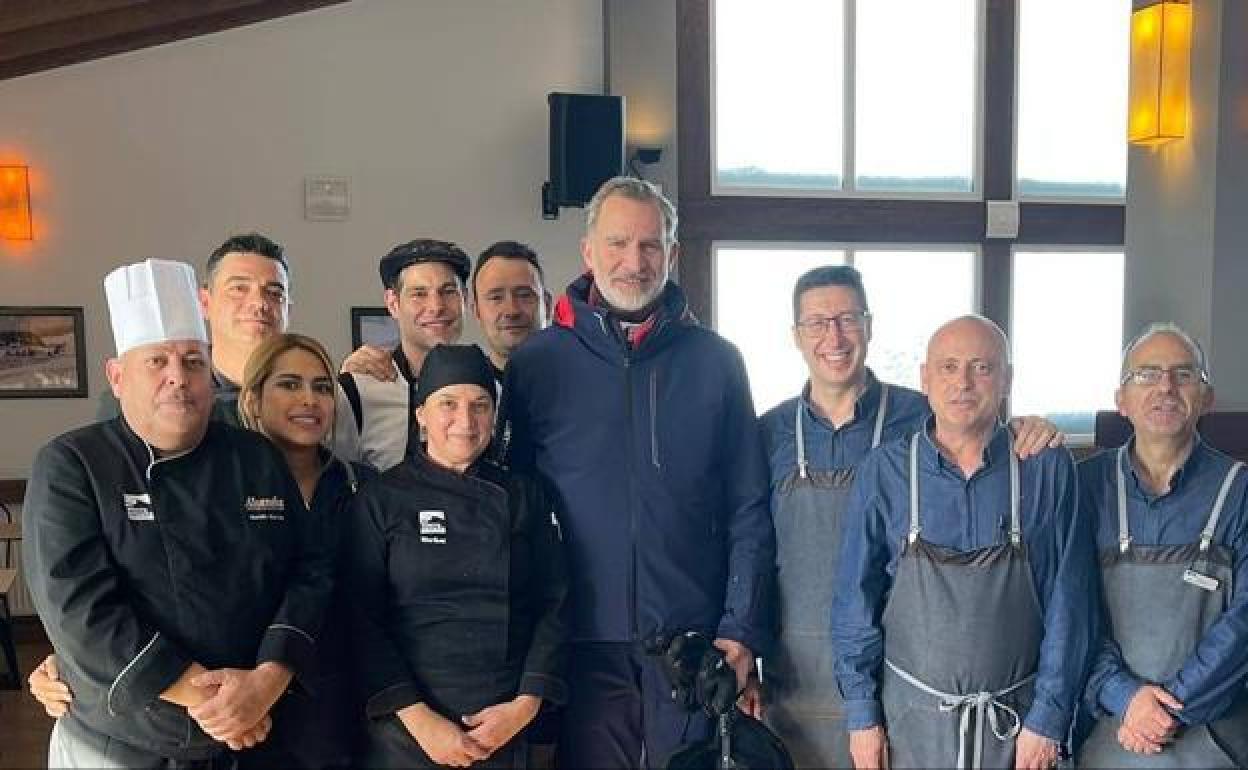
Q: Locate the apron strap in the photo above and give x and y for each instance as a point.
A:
(986, 706)
(1206, 537)
(879, 417)
(1016, 522)
(801, 440)
(800, 434)
(1124, 531)
(914, 488)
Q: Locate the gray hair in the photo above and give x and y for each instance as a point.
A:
(639, 190)
(1173, 329)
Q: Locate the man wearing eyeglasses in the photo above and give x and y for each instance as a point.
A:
(962, 619)
(1167, 684)
(815, 442)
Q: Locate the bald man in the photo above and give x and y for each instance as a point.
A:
(962, 620)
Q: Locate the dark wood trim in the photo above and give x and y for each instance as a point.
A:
(12, 490)
(28, 629)
(132, 26)
(693, 88)
(1000, 63)
(705, 218)
(1072, 223)
(697, 276)
(797, 219)
(997, 269)
(26, 14)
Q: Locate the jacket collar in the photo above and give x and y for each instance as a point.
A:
(595, 325)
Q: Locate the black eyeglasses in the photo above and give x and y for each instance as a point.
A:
(814, 328)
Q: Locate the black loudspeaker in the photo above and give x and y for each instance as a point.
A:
(586, 148)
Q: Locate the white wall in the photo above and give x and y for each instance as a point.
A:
(1186, 233)
(436, 110)
(642, 59)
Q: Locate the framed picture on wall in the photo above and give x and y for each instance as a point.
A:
(373, 326)
(43, 352)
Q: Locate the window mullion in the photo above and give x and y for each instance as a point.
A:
(849, 107)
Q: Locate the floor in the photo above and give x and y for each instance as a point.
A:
(24, 728)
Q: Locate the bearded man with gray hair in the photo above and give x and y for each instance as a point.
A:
(642, 422)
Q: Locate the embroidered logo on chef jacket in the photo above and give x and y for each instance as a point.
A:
(138, 507)
(265, 508)
(433, 527)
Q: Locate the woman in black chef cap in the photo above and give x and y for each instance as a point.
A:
(456, 572)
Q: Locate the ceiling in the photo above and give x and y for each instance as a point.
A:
(38, 35)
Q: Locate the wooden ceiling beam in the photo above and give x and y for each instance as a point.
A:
(129, 28)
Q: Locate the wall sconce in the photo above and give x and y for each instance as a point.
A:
(15, 203)
(643, 156)
(1161, 47)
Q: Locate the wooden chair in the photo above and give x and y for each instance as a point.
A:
(10, 538)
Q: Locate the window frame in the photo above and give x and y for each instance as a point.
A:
(977, 286)
(849, 64)
(708, 217)
(1074, 440)
(1016, 193)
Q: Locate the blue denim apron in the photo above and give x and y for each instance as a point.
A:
(962, 633)
(804, 706)
(1161, 600)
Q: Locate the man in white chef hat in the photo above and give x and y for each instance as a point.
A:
(171, 559)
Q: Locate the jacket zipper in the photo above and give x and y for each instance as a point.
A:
(654, 420)
(632, 508)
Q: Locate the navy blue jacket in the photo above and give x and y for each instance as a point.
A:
(655, 452)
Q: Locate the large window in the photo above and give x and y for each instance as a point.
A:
(779, 111)
(914, 126)
(785, 82)
(1072, 88)
(911, 291)
(1067, 311)
(873, 132)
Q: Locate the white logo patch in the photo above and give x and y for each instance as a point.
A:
(433, 527)
(138, 507)
(265, 508)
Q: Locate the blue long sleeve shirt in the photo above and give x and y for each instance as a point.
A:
(829, 447)
(1215, 672)
(966, 514)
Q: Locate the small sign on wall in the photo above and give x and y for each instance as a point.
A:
(326, 199)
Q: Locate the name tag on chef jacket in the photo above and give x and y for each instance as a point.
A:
(265, 508)
(138, 507)
(1200, 580)
(433, 527)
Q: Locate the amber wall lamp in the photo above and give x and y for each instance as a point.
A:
(15, 204)
(1161, 51)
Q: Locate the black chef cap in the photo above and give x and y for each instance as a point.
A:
(453, 365)
(423, 250)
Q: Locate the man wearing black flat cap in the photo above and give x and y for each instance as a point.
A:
(424, 292)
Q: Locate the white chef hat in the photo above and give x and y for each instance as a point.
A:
(153, 301)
